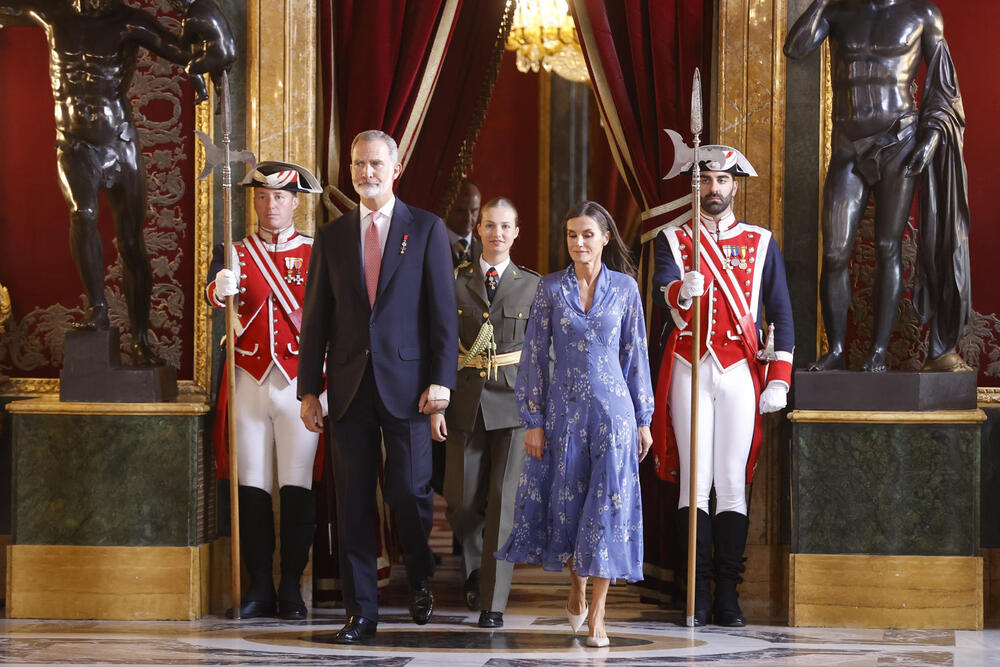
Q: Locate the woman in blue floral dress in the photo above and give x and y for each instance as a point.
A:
(587, 421)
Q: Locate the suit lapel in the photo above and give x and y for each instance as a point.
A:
(350, 252)
(392, 256)
(475, 283)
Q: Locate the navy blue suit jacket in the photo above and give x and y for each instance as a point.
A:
(411, 335)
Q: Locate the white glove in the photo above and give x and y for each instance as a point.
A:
(225, 284)
(694, 286)
(773, 398)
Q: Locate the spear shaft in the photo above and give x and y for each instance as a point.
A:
(227, 218)
(696, 128)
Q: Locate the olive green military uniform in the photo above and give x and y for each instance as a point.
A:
(485, 446)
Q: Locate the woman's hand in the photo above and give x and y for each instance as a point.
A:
(534, 442)
(645, 441)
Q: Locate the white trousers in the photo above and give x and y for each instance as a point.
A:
(727, 409)
(268, 427)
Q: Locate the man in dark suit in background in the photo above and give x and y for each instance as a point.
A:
(461, 219)
(380, 311)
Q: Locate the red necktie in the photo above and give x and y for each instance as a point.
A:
(373, 258)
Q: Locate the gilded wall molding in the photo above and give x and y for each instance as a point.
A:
(203, 206)
(283, 92)
(749, 109)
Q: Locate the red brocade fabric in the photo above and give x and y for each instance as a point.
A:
(35, 260)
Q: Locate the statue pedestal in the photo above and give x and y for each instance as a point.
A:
(885, 509)
(113, 510)
(93, 372)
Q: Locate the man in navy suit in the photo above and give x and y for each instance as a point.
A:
(380, 311)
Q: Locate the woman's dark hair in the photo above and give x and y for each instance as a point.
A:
(615, 255)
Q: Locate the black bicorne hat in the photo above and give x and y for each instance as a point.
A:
(276, 175)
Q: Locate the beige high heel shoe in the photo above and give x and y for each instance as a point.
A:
(576, 621)
(598, 642)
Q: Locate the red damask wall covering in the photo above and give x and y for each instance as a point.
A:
(35, 262)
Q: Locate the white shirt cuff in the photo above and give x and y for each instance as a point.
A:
(438, 393)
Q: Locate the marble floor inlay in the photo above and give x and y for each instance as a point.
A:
(535, 634)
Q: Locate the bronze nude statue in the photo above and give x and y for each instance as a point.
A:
(882, 144)
(93, 47)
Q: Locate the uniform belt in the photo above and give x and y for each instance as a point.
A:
(481, 361)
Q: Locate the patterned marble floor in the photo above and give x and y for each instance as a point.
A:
(536, 633)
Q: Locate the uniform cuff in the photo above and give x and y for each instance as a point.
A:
(780, 370)
(672, 295)
(212, 297)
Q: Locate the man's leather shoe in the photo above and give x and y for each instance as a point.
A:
(471, 590)
(291, 610)
(357, 630)
(255, 609)
(491, 619)
(422, 604)
(730, 619)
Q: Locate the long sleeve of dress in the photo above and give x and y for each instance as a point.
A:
(532, 386)
(634, 358)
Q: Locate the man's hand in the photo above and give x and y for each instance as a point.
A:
(534, 442)
(694, 286)
(773, 398)
(645, 442)
(311, 413)
(439, 429)
(923, 153)
(225, 284)
(429, 407)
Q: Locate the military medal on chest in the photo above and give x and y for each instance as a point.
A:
(293, 271)
(735, 257)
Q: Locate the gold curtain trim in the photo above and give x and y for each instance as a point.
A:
(665, 208)
(429, 80)
(333, 132)
(605, 102)
(463, 164)
(679, 220)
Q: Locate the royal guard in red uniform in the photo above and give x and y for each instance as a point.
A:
(742, 282)
(270, 285)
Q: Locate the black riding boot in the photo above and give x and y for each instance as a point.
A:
(257, 551)
(298, 528)
(703, 559)
(730, 532)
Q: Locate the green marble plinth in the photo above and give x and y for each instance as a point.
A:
(899, 484)
(95, 475)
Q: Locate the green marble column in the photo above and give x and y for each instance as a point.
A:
(899, 484)
(111, 474)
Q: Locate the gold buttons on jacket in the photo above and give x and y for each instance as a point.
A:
(482, 374)
(486, 316)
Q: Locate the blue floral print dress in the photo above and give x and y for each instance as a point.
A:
(582, 499)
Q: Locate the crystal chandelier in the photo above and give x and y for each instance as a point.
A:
(544, 36)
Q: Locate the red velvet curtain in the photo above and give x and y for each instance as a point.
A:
(642, 55)
(443, 153)
(380, 62)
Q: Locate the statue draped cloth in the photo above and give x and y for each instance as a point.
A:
(942, 292)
